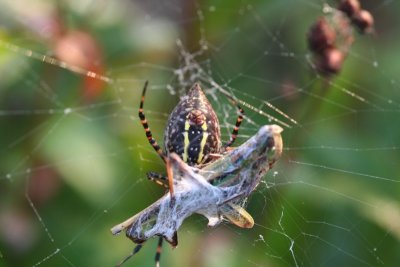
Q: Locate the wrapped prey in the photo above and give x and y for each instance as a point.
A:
(212, 191)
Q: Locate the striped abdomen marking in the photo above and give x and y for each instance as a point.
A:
(195, 137)
(193, 128)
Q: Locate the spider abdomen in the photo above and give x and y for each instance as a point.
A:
(193, 128)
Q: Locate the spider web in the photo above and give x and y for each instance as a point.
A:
(73, 166)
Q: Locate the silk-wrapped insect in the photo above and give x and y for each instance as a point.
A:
(213, 191)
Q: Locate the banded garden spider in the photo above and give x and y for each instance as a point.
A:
(193, 132)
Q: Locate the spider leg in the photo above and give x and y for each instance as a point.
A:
(153, 141)
(135, 250)
(158, 178)
(146, 127)
(235, 129)
(158, 251)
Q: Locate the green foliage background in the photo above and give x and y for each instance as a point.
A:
(333, 201)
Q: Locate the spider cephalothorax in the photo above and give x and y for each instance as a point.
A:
(193, 128)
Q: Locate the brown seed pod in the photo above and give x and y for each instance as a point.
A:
(331, 61)
(321, 36)
(364, 21)
(350, 7)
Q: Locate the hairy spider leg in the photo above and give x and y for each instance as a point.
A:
(152, 141)
(236, 128)
(146, 127)
(135, 250)
(158, 251)
(158, 178)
